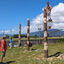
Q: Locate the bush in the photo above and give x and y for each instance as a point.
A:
(61, 40)
(7, 36)
(15, 36)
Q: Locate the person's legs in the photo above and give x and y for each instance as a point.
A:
(1, 59)
(2, 56)
(10, 45)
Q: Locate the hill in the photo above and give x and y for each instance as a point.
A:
(51, 33)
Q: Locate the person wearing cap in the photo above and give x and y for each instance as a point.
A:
(3, 48)
(48, 10)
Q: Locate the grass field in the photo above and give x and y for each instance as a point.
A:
(21, 56)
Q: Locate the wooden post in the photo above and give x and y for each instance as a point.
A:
(45, 35)
(28, 31)
(19, 44)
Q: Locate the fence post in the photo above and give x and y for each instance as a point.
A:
(45, 35)
(19, 44)
(28, 31)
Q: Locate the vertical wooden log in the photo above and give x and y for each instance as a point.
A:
(28, 31)
(45, 35)
(19, 35)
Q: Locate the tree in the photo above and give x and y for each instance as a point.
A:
(7, 36)
(35, 36)
(15, 36)
(24, 35)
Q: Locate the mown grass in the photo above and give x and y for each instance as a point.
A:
(20, 56)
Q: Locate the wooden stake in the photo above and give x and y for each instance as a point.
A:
(19, 44)
(45, 35)
(28, 31)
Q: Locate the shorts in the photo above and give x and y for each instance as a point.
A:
(3, 54)
(30, 44)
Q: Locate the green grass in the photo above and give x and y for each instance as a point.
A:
(19, 56)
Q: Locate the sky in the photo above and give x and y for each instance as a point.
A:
(13, 12)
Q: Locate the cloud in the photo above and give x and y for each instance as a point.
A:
(38, 19)
(4, 31)
(24, 29)
(57, 15)
(11, 31)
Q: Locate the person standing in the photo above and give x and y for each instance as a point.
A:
(10, 43)
(3, 48)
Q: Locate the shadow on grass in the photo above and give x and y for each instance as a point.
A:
(7, 62)
(33, 49)
(56, 54)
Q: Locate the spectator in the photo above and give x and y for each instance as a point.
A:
(10, 44)
(3, 48)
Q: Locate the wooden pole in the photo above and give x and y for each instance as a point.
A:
(19, 35)
(28, 31)
(45, 35)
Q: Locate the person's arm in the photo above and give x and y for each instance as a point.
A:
(3, 47)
